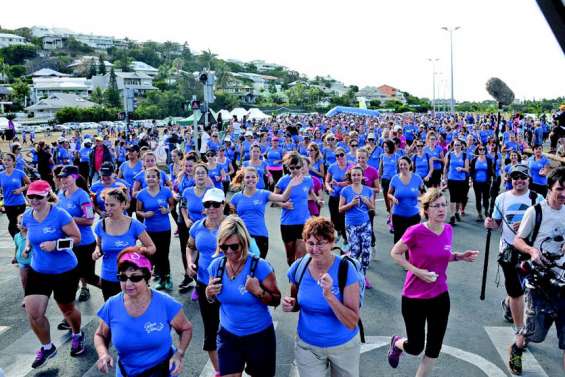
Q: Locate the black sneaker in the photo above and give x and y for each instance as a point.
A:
(457, 216)
(77, 344)
(452, 220)
(43, 355)
(185, 284)
(507, 313)
(84, 294)
(515, 362)
(63, 325)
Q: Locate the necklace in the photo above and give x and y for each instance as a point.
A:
(235, 272)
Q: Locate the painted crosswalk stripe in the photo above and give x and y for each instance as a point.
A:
(16, 359)
(3, 329)
(502, 338)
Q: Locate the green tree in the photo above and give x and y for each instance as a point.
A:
(97, 96)
(124, 61)
(112, 93)
(18, 54)
(76, 47)
(207, 59)
(16, 71)
(374, 103)
(101, 65)
(92, 69)
(20, 89)
(225, 100)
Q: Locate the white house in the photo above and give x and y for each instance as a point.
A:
(145, 68)
(260, 82)
(48, 107)
(46, 86)
(47, 72)
(51, 42)
(7, 40)
(139, 83)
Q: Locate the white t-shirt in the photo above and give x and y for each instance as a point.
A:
(512, 207)
(552, 229)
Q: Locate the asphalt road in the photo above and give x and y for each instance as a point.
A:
(476, 337)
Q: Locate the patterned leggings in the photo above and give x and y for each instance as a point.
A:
(359, 238)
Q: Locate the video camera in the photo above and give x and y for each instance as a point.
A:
(551, 275)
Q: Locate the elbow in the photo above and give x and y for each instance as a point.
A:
(352, 322)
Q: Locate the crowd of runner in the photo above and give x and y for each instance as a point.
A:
(124, 197)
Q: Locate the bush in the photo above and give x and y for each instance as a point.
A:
(92, 114)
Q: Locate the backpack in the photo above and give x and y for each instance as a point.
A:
(343, 269)
(222, 266)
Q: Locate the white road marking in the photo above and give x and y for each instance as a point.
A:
(502, 338)
(3, 329)
(16, 359)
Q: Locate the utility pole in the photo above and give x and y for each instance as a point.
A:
(451, 30)
(433, 61)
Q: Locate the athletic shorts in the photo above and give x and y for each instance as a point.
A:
(291, 233)
(541, 314)
(457, 190)
(513, 281)
(63, 286)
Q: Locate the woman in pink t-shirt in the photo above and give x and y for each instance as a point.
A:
(425, 296)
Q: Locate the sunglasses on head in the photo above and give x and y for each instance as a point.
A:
(133, 278)
(36, 197)
(232, 246)
(340, 155)
(212, 204)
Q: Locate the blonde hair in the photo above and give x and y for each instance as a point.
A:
(233, 226)
(429, 197)
(237, 181)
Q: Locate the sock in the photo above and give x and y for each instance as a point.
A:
(47, 346)
(79, 333)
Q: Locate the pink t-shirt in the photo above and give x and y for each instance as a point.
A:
(431, 252)
(371, 175)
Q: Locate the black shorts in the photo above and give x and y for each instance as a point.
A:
(63, 286)
(86, 264)
(435, 178)
(513, 281)
(257, 351)
(457, 190)
(291, 233)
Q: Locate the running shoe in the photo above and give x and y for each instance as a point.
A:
(457, 216)
(63, 325)
(160, 285)
(515, 362)
(507, 313)
(168, 282)
(84, 294)
(43, 355)
(77, 344)
(394, 352)
(480, 218)
(194, 296)
(186, 282)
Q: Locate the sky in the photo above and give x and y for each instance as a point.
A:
(359, 42)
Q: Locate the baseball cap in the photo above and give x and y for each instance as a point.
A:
(86, 141)
(248, 133)
(520, 169)
(39, 187)
(107, 169)
(68, 170)
(136, 259)
(371, 136)
(227, 139)
(134, 147)
(214, 195)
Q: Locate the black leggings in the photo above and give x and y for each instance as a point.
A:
(402, 223)
(262, 244)
(109, 288)
(162, 241)
(416, 312)
(13, 212)
(337, 218)
(372, 220)
(210, 313)
(183, 240)
(385, 184)
(86, 265)
(482, 192)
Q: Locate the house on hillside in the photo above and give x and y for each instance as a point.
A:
(51, 42)
(82, 64)
(46, 86)
(138, 83)
(7, 40)
(47, 72)
(145, 68)
(48, 107)
(259, 82)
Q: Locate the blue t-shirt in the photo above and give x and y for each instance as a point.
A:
(144, 341)
(421, 165)
(111, 245)
(357, 215)
(436, 152)
(241, 312)
(274, 157)
(338, 174)
(12, 182)
(329, 156)
(454, 163)
(158, 222)
(140, 177)
(299, 198)
(498, 163)
(129, 173)
(215, 176)
(481, 171)
(317, 323)
(389, 165)
(535, 167)
(375, 157)
(407, 195)
(84, 154)
(205, 241)
(73, 205)
(193, 204)
(251, 209)
(318, 166)
(50, 229)
(98, 188)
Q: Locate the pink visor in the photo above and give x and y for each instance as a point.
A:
(136, 259)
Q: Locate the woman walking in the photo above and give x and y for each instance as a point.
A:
(455, 171)
(481, 171)
(335, 181)
(13, 183)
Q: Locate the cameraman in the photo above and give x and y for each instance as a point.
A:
(509, 209)
(545, 303)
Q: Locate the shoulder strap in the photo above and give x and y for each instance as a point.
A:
(533, 197)
(254, 263)
(301, 270)
(221, 268)
(537, 224)
(104, 224)
(342, 273)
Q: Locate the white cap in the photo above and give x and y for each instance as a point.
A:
(397, 128)
(371, 135)
(214, 195)
(248, 133)
(227, 138)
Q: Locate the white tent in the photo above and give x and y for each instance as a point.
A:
(257, 114)
(4, 123)
(239, 112)
(226, 116)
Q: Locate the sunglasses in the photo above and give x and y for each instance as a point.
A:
(419, 146)
(481, 149)
(456, 145)
(232, 246)
(331, 139)
(36, 197)
(353, 145)
(133, 278)
(212, 204)
(294, 167)
(519, 176)
(340, 155)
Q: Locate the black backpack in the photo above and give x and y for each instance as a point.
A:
(222, 267)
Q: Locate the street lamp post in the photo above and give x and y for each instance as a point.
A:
(433, 61)
(451, 30)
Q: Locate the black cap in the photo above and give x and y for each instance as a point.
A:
(68, 170)
(107, 169)
(134, 147)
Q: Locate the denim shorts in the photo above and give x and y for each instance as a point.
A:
(542, 311)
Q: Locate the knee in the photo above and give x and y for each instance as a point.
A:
(414, 347)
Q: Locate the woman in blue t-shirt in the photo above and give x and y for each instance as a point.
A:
(317, 167)
(455, 171)
(13, 183)
(335, 180)
(539, 166)
(328, 314)
(265, 178)
(226, 165)
(143, 314)
(250, 204)
(115, 232)
(53, 269)
(154, 204)
(481, 172)
(404, 190)
(128, 170)
(274, 155)
(245, 286)
(387, 170)
(435, 151)
(149, 161)
(357, 200)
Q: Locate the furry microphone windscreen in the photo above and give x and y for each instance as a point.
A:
(500, 91)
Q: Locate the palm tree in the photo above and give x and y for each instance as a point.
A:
(208, 59)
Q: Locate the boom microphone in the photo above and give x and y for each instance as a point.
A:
(500, 91)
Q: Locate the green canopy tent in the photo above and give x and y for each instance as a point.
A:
(190, 120)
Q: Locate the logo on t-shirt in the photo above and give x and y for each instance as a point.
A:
(153, 326)
(49, 229)
(256, 202)
(120, 244)
(242, 289)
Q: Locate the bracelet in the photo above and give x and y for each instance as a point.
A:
(455, 257)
